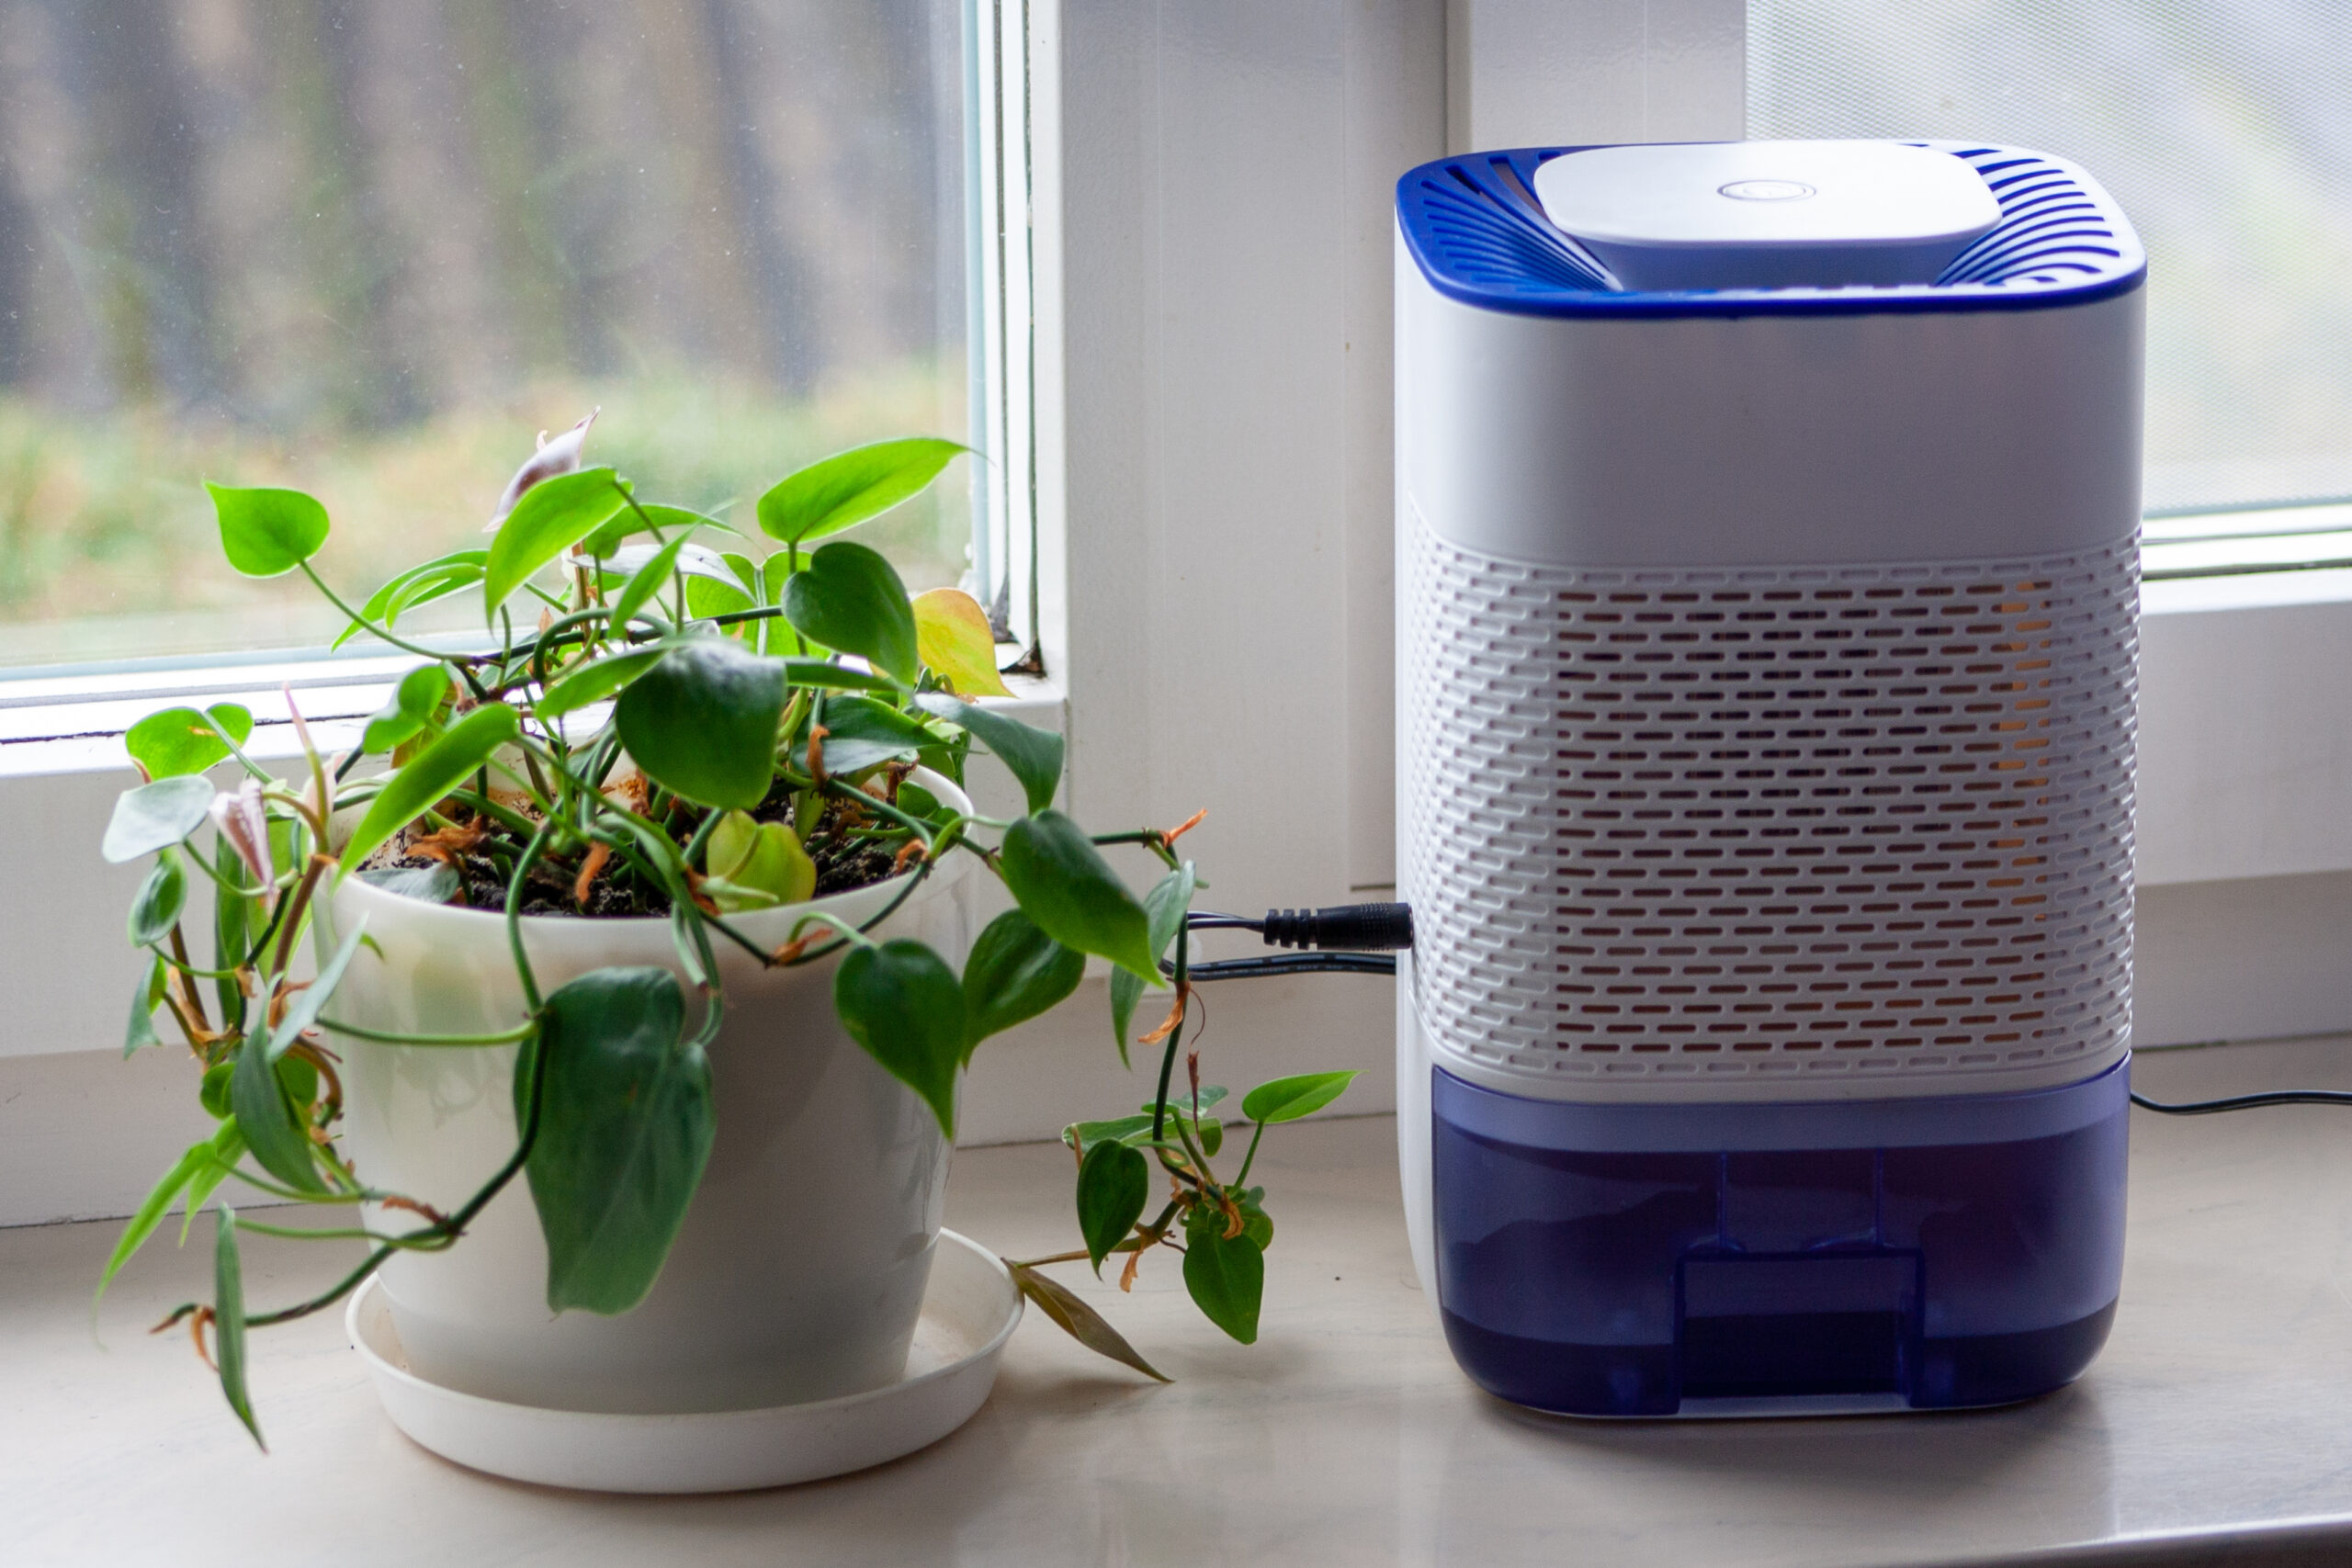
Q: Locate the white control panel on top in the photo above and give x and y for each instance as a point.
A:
(1767, 214)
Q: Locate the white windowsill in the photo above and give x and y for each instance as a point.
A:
(2208, 1430)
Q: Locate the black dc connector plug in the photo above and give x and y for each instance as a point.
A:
(1343, 928)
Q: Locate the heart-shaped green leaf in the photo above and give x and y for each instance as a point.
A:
(757, 865)
(155, 816)
(419, 585)
(1015, 973)
(1166, 903)
(646, 581)
(844, 490)
(1035, 755)
(1065, 885)
(414, 702)
(708, 597)
(1185, 1101)
(149, 1214)
(552, 517)
(303, 1011)
(597, 679)
(1226, 1275)
(692, 559)
(825, 675)
(860, 732)
(427, 884)
(605, 544)
(179, 741)
(702, 722)
(149, 996)
(952, 633)
(849, 598)
(273, 1131)
(430, 775)
(161, 898)
(238, 922)
(229, 1322)
(228, 1148)
(901, 1002)
(625, 1130)
(1287, 1100)
(1084, 1136)
(1256, 1223)
(267, 533)
(1113, 1184)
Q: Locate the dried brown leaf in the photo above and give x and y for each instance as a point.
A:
(1081, 1322)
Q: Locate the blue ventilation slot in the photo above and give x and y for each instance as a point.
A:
(2051, 228)
(1473, 226)
(1484, 214)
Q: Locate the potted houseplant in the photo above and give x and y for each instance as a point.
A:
(643, 979)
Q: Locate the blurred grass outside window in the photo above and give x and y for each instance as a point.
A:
(372, 250)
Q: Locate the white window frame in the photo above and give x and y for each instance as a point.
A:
(1204, 391)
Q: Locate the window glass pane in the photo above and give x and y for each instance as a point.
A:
(370, 247)
(2223, 127)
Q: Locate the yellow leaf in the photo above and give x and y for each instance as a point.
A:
(952, 634)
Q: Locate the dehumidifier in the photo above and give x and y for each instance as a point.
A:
(1766, 586)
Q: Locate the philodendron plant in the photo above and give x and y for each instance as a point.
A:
(673, 731)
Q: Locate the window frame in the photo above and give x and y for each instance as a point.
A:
(1210, 505)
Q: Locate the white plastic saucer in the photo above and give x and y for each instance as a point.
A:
(969, 1310)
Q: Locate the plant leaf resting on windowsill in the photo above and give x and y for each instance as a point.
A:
(687, 735)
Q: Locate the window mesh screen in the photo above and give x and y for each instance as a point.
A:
(2222, 127)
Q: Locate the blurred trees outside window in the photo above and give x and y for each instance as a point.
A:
(371, 247)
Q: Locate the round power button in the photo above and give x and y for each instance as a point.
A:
(1766, 190)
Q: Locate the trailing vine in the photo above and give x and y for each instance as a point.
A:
(687, 733)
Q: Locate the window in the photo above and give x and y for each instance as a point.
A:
(371, 253)
(2219, 127)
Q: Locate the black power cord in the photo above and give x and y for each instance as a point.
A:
(1360, 939)
(2245, 1102)
(1355, 939)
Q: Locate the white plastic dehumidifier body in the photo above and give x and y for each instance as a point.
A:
(1767, 591)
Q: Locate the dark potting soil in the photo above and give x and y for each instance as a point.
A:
(843, 861)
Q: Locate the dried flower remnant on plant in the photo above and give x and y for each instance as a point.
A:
(656, 749)
(552, 459)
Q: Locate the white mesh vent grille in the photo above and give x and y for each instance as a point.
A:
(1695, 829)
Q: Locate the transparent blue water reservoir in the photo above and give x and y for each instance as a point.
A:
(1700, 1259)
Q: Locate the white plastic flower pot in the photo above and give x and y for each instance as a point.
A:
(799, 1271)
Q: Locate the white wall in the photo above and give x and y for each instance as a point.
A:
(1213, 191)
(1554, 73)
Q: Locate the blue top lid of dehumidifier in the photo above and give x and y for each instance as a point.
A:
(1743, 227)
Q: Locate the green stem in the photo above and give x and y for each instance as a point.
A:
(256, 769)
(296, 1233)
(190, 968)
(1243, 1179)
(364, 624)
(701, 836)
(915, 825)
(291, 1196)
(290, 924)
(827, 950)
(515, 917)
(1168, 1057)
(451, 1227)
(204, 864)
(512, 821)
(818, 917)
(1151, 839)
(514, 1036)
